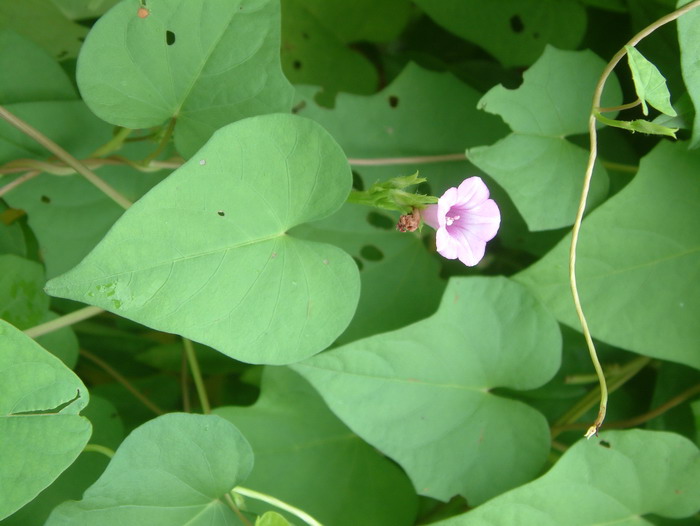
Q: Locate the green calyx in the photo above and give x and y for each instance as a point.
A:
(392, 195)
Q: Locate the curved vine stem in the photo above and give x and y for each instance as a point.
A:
(246, 492)
(64, 156)
(593, 429)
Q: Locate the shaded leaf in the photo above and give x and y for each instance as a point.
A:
(41, 433)
(291, 430)
(690, 61)
(422, 396)
(206, 253)
(22, 299)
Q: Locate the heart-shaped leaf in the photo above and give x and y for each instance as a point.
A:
(421, 394)
(205, 63)
(174, 470)
(617, 480)
(649, 83)
(41, 433)
(206, 253)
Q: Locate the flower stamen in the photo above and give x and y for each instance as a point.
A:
(449, 220)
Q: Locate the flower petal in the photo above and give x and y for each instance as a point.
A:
(470, 249)
(446, 245)
(482, 222)
(448, 199)
(471, 193)
(430, 216)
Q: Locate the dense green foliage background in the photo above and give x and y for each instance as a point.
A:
(241, 326)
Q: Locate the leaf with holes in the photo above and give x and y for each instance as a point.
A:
(41, 433)
(538, 167)
(204, 63)
(292, 431)
(387, 261)
(513, 31)
(421, 394)
(620, 479)
(637, 256)
(206, 253)
(174, 469)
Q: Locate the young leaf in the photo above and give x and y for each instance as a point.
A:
(291, 430)
(206, 253)
(637, 255)
(41, 433)
(536, 165)
(649, 83)
(422, 396)
(205, 63)
(174, 469)
(615, 480)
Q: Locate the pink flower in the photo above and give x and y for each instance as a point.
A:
(465, 219)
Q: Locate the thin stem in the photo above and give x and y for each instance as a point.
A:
(597, 95)
(96, 448)
(162, 144)
(621, 107)
(21, 179)
(308, 519)
(409, 160)
(122, 380)
(236, 509)
(625, 373)
(197, 376)
(64, 156)
(114, 144)
(63, 321)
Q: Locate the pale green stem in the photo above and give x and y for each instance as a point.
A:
(64, 156)
(621, 107)
(236, 510)
(308, 519)
(619, 167)
(409, 160)
(96, 448)
(593, 429)
(21, 179)
(197, 376)
(114, 144)
(63, 321)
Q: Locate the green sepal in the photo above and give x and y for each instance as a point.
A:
(390, 195)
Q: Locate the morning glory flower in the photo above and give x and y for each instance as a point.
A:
(465, 219)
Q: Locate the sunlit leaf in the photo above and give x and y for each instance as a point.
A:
(203, 63)
(206, 253)
(649, 83)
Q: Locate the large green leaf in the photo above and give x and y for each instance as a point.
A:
(638, 257)
(690, 61)
(395, 269)
(421, 394)
(172, 470)
(205, 63)
(542, 171)
(206, 253)
(513, 31)
(22, 300)
(293, 432)
(41, 433)
(617, 480)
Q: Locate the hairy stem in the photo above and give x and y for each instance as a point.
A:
(597, 95)
(308, 519)
(63, 321)
(64, 156)
(122, 380)
(197, 376)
